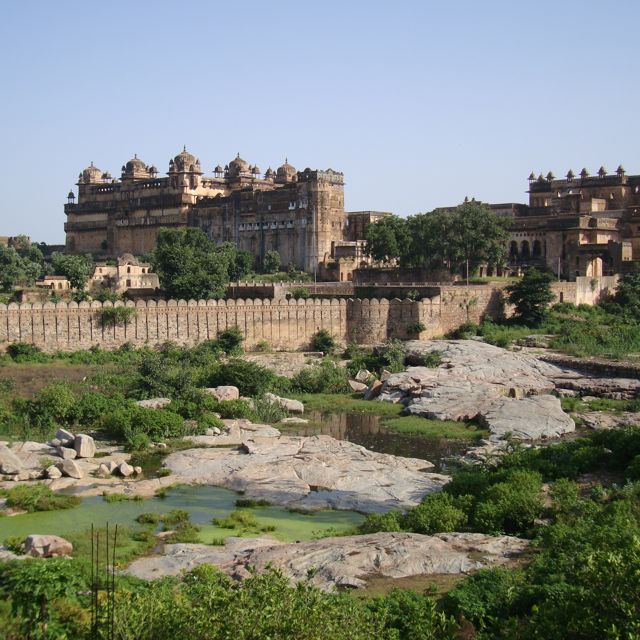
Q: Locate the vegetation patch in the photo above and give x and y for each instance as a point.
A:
(38, 497)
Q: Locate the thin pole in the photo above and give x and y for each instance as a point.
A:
(113, 585)
(106, 568)
(558, 268)
(92, 583)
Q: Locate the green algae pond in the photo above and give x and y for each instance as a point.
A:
(203, 504)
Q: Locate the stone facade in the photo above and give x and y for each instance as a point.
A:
(285, 324)
(127, 274)
(579, 225)
(297, 213)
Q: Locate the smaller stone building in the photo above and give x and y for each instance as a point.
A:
(55, 283)
(128, 273)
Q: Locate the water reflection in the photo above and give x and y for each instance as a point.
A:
(366, 430)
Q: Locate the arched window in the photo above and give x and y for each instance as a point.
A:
(513, 249)
(524, 249)
(537, 249)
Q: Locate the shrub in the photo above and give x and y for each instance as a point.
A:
(149, 517)
(156, 424)
(415, 328)
(116, 316)
(510, 506)
(230, 341)
(465, 331)
(299, 293)
(251, 379)
(185, 532)
(325, 376)
(375, 522)
(39, 497)
(438, 512)
(263, 346)
(323, 341)
(24, 352)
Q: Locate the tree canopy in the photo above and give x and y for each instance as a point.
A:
(531, 296)
(190, 266)
(76, 269)
(441, 238)
(20, 264)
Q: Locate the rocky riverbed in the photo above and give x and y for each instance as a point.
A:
(341, 562)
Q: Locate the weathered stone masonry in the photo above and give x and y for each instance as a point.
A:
(285, 324)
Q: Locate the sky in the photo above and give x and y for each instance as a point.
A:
(420, 103)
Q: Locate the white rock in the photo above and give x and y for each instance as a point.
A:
(294, 406)
(10, 464)
(125, 469)
(64, 435)
(85, 446)
(103, 471)
(213, 431)
(357, 387)
(294, 420)
(47, 546)
(53, 473)
(154, 403)
(137, 470)
(66, 453)
(363, 375)
(224, 392)
(71, 469)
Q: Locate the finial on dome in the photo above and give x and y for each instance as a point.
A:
(184, 147)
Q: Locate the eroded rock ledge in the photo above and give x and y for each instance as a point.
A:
(341, 562)
(311, 473)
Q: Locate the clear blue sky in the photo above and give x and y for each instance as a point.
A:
(419, 103)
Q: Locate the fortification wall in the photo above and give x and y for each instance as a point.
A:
(284, 324)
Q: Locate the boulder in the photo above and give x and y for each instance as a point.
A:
(85, 446)
(363, 375)
(67, 454)
(357, 387)
(213, 431)
(534, 418)
(154, 403)
(137, 470)
(47, 546)
(55, 443)
(125, 469)
(374, 390)
(70, 469)
(53, 473)
(103, 471)
(224, 392)
(10, 464)
(64, 436)
(112, 465)
(293, 406)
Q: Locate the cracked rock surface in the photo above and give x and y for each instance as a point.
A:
(313, 473)
(342, 561)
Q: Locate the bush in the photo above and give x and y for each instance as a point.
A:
(438, 512)
(510, 506)
(325, 376)
(24, 352)
(133, 423)
(230, 341)
(299, 293)
(323, 341)
(465, 331)
(116, 316)
(38, 497)
(251, 379)
(415, 328)
(375, 522)
(262, 346)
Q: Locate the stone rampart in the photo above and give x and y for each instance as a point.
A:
(284, 324)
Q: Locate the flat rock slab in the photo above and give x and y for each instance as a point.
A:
(235, 433)
(533, 418)
(344, 561)
(313, 473)
(506, 391)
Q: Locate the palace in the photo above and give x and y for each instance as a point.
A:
(300, 214)
(577, 226)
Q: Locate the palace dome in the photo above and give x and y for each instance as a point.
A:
(91, 174)
(239, 167)
(286, 172)
(135, 164)
(185, 162)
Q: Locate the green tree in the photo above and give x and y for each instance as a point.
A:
(531, 296)
(76, 269)
(627, 297)
(271, 262)
(244, 264)
(189, 265)
(16, 269)
(386, 238)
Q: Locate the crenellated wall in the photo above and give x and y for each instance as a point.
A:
(284, 324)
